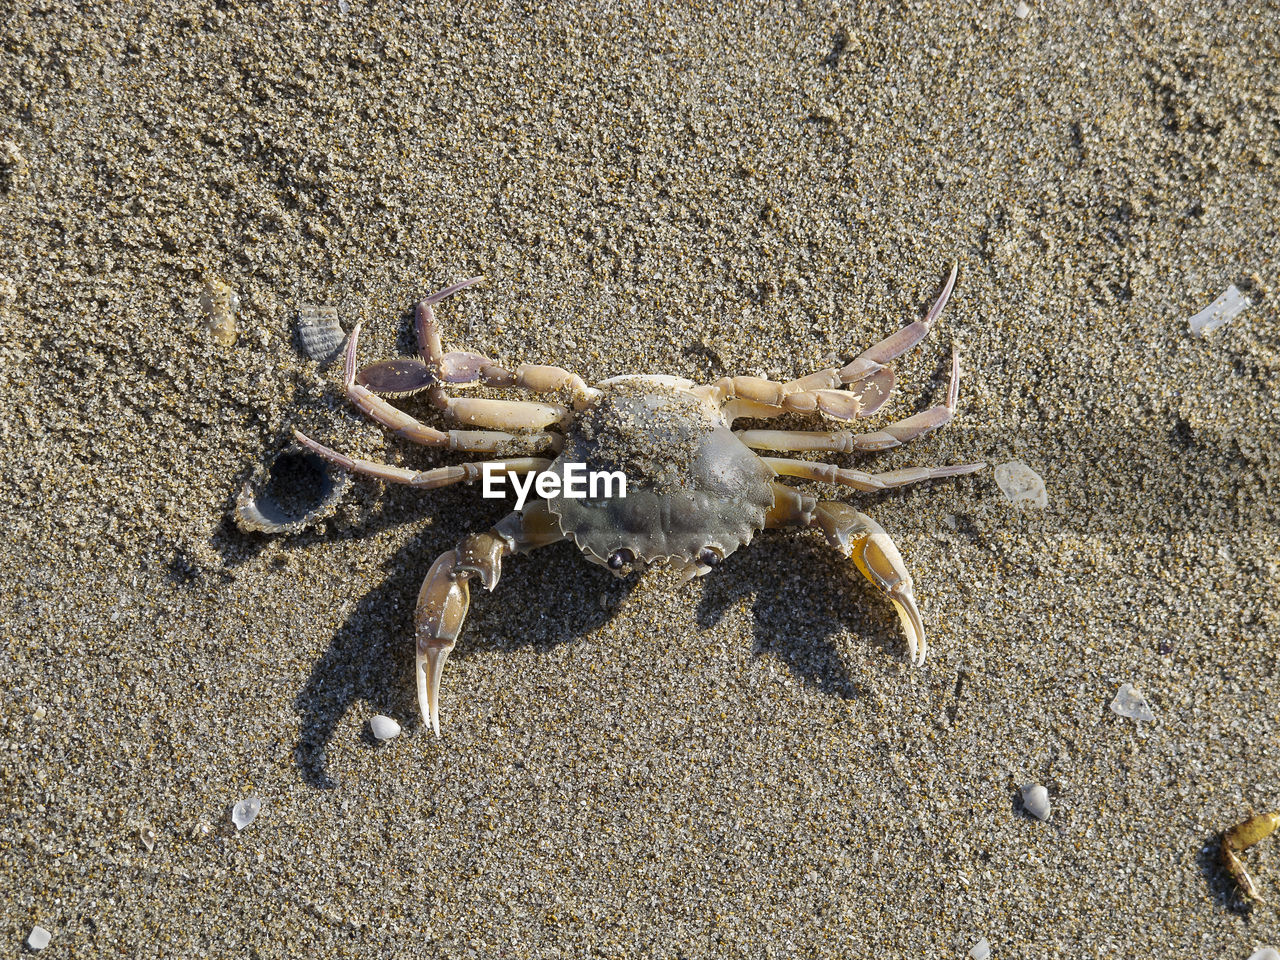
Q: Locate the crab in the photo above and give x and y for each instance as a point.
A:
(697, 488)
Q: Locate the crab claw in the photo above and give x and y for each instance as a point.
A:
(430, 670)
(875, 554)
(878, 558)
(442, 607)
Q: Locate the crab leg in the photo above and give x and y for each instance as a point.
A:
(401, 423)
(845, 441)
(445, 598)
(860, 480)
(863, 540)
(757, 398)
(459, 368)
(427, 479)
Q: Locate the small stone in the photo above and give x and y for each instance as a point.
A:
(147, 837)
(1035, 800)
(1022, 11)
(980, 950)
(39, 713)
(245, 812)
(384, 728)
(1130, 703)
(1265, 953)
(38, 938)
(1021, 485)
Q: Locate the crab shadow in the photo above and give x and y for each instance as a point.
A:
(806, 595)
(371, 657)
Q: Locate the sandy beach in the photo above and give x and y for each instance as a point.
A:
(744, 766)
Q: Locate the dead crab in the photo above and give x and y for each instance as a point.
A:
(697, 489)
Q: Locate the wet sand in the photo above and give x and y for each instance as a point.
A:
(748, 766)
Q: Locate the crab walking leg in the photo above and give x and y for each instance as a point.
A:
(820, 391)
(459, 368)
(506, 414)
(900, 341)
(427, 479)
(860, 480)
(760, 399)
(445, 598)
(401, 423)
(845, 441)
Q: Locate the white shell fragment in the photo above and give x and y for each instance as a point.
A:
(1219, 312)
(319, 332)
(980, 950)
(295, 490)
(1130, 703)
(220, 304)
(147, 837)
(245, 812)
(1021, 485)
(1265, 953)
(38, 938)
(384, 728)
(1035, 800)
(1022, 11)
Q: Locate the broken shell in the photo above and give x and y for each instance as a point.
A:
(38, 938)
(220, 304)
(245, 812)
(1130, 703)
(147, 837)
(1021, 485)
(319, 332)
(294, 491)
(384, 728)
(1035, 800)
(1219, 312)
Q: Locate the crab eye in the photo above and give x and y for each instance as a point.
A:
(710, 556)
(620, 558)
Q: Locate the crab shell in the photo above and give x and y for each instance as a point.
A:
(694, 490)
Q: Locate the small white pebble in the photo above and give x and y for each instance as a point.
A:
(384, 728)
(1035, 800)
(950, 522)
(1219, 312)
(1022, 11)
(1130, 703)
(245, 812)
(980, 950)
(1265, 953)
(1021, 484)
(147, 837)
(38, 938)
(39, 713)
